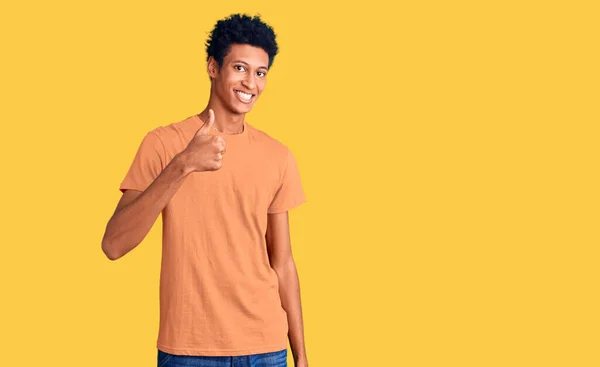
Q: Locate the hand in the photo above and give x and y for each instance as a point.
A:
(205, 152)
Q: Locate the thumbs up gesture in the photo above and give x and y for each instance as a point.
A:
(205, 152)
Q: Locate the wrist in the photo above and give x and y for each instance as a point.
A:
(181, 163)
(301, 360)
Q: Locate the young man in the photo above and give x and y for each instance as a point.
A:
(229, 290)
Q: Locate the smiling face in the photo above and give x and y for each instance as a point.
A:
(241, 79)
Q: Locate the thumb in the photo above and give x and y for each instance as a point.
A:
(207, 125)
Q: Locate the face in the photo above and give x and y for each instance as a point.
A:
(241, 79)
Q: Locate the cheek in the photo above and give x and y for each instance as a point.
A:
(228, 80)
(261, 86)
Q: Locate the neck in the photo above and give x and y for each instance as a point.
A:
(226, 121)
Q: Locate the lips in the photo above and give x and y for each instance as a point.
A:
(243, 96)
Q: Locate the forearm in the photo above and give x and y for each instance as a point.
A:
(130, 224)
(289, 291)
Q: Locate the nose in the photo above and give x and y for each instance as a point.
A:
(249, 82)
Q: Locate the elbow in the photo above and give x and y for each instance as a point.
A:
(109, 251)
(111, 256)
(284, 266)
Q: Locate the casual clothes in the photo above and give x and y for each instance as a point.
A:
(272, 359)
(219, 295)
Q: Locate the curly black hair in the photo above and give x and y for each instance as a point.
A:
(240, 29)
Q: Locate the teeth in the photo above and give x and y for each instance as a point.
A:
(244, 95)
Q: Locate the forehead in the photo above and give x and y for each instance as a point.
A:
(255, 56)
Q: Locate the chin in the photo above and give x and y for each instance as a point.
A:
(242, 108)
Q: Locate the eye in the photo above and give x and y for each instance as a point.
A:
(261, 73)
(239, 67)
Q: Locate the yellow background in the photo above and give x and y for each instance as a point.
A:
(448, 150)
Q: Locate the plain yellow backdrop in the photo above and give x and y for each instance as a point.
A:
(448, 151)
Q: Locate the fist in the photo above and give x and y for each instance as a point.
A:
(205, 152)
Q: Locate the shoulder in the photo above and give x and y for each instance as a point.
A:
(270, 144)
(177, 127)
(175, 132)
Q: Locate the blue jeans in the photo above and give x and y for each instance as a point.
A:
(272, 359)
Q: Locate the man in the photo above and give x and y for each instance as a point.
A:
(229, 290)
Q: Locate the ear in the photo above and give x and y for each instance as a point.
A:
(212, 67)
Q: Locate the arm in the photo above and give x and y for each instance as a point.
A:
(137, 211)
(280, 257)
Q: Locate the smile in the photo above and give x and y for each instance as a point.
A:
(245, 97)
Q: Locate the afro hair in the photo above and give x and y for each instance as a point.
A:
(240, 29)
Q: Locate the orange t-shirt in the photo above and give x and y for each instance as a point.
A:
(219, 295)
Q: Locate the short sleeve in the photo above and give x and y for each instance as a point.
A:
(146, 166)
(290, 193)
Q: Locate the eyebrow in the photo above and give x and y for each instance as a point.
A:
(245, 63)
